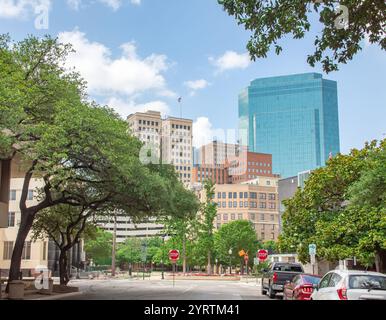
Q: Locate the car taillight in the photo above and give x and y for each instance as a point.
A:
(307, 289)
(274, 277)
(342, 293)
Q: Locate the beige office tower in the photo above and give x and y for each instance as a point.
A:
(172, 136)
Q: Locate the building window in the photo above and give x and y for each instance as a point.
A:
(224, 195)
(26, 254)
(241, 204)
(224, 204)
(262, 235)
(230, 195)
(245, 204)
(271, 196)
(218, 217)
(234, 195)
(268, 183)
(219, 204)
(262, 217)
(262, 196)
(8, 248)
(229, 204)
(240, 195)
(218, 225)
(225, 216)
(252, 216)
(45, 250)
(234, 204)
(262, 205)
(11, 219)
(240, 216)
(253, 195)
(246, 195)
(272, 217)
(219, 195)
(272, 205)
(12, 195)
(233, 216)
(273, 227)
(272, 236)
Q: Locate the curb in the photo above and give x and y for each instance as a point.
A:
(59, 296)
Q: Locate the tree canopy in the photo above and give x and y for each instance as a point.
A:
(345, 25)
(341, 209)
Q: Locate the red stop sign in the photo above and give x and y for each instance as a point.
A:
(174, 255)
(262, 254)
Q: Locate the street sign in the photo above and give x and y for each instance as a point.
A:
(312, 249)
(174, 255)
(262, 254)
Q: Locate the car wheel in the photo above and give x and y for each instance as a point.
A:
(271, 293)
(263, 292)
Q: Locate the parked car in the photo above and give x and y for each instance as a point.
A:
(275, 277)
(300, 287)
(351, 285)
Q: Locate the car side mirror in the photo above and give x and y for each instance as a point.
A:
(316, 287)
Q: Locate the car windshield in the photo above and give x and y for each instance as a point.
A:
(371, 282)
(311, 279)
(286, 267)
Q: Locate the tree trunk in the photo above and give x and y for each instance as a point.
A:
(209, 264)
(27, 218)
(184, 254)
(63, 268)
(380, 260)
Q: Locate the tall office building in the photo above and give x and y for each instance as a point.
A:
(169, 138)
(294, 118)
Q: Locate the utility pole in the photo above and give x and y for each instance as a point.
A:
(114, 246)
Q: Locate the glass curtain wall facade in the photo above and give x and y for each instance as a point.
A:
(294, 118)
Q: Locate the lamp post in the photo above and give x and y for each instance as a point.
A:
(216, 266)
(162, 261)
(230, 260)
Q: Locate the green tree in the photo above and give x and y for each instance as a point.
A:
(341, 209)
(98, 246)
(209, 212)
(270, 21)
(183, 224)
(130, 251)
(84, 154)
(66, 226)
(236, 235)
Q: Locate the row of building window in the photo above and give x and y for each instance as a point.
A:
(246, 204)
(181, 168)
(146, 122)
(262, 164)
(180, 126)
(252, 216)
(26, 254)
(241, 195)
(12, 195)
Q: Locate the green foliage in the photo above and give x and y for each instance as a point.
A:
(271, 21)
(341, 208)
(236, 235)
(98, 246)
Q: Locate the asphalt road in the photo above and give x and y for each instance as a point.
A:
(164, 290)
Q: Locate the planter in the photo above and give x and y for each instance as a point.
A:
(50, 288)
(16, 290)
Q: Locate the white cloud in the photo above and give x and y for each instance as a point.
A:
(20, 8)
(114, 4)
(195, 85)
(74, 4)
(127, 75)
(231, 60)
(124, 108)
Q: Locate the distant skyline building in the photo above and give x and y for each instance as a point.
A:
(294, 118)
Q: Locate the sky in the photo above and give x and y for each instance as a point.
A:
(138, 55)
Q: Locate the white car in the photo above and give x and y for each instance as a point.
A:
(351, 285)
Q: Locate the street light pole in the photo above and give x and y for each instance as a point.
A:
(230, 260)
(114, 246)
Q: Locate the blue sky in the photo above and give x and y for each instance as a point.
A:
(139, 54)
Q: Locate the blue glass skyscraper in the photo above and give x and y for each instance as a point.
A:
(294, 118)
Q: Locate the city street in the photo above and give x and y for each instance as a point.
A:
(164, 290)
